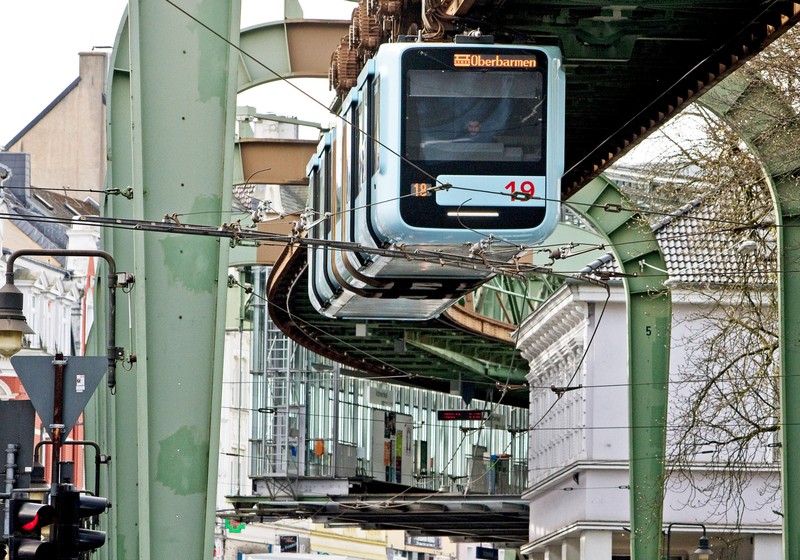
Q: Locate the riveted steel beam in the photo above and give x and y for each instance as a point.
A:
(287, 49)
(649, 320)
(172, 99)
(765, 119)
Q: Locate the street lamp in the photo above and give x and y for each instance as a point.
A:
(703, 551)
(12, 322)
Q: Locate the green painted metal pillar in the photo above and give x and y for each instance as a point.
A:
(171, 111)
(292, 9)
(770, 125)
(649, 335)
(789, 302)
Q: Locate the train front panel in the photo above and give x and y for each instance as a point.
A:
(471, 143)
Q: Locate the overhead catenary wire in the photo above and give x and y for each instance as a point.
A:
(237, 235)
(527, 387)
(736, 226)
(365, 132)
(236, 231)
(622, 462)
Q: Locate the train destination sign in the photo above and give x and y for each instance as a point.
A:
(470, 60)
(464, 414)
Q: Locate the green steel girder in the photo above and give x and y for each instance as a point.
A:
(511, 300)
(172, 104)
(649, 324)
(764, 118)
(287, 49)
(477, 366)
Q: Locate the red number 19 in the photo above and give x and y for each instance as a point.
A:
(525, 187)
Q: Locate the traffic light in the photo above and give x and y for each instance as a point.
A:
(91, 506)
(28, 518)
(72, 536)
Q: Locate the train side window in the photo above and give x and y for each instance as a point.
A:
(316, 195)
(374, 118)
(326, 176)
(362, 157)
(343, 170)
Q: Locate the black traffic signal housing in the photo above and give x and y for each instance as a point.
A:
(71, 533)
(28, 518)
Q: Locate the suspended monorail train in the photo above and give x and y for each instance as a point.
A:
(451, 149)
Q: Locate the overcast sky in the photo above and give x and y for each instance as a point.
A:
(40, 41)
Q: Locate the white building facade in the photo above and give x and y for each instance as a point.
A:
(578, 442)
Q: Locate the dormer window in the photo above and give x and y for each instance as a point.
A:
(43, 202)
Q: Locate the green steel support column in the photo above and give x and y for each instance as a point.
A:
(292, 9)
(649, 325)
(772, 134)
(172, 108)
(170, 136)
(789, 301)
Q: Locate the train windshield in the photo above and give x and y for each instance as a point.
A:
(474, 115)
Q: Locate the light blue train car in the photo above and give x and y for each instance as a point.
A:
(441, 148)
